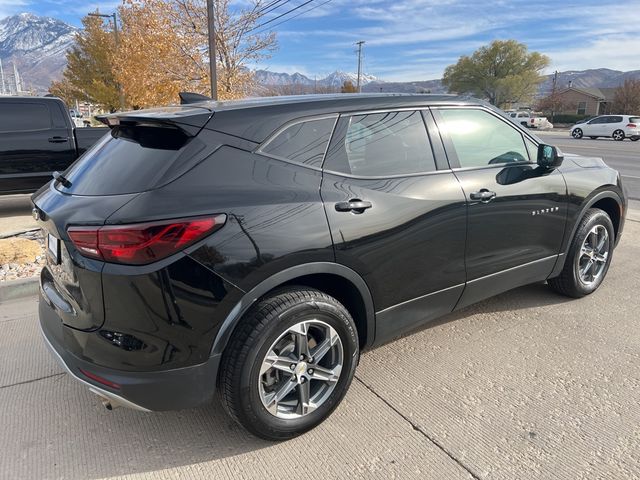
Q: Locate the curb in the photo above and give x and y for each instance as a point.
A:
(17, 232)
(21, 288)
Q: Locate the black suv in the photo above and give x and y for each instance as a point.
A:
(255, 248)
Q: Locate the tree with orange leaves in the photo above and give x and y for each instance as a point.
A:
(163, 49)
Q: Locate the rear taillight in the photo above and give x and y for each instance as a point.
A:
(99, 379)
(142, 243)
(631, 125)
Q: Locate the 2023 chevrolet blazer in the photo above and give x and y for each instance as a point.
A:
(255, 248)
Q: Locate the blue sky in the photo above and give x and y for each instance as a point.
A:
(416, 39)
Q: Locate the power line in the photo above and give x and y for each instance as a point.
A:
(295, 16)
(280, 16)
(270, 7)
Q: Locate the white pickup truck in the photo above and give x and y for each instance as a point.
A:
(529, 119)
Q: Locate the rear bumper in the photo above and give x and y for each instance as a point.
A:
(161, 390)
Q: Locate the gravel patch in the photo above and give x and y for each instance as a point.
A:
(22, 256)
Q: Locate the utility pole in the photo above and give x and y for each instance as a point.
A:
(212, 49)
(358, 86)
(553, 95)
(114, 17)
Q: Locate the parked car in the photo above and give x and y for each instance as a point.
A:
(255, 248)
(617, 127)
(37, 138)
(530, 120)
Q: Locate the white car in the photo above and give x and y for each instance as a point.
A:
(617, 127)
(529, 119)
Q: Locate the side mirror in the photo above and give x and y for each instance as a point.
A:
(549, 156)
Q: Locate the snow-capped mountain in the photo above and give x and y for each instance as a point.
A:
(337, 79)
(37, 46)
(334, 80)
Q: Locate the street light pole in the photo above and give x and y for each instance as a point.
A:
(114, 17)
(211, 27)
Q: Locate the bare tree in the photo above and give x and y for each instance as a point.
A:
(626, 98)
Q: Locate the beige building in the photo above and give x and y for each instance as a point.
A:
(587, 101)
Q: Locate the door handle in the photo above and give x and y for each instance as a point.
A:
(58, 139)
(354, 205)
(484, 195)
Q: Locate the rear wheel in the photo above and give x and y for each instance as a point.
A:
(577, 133)
(618, 135)
(289, 363)
(589, 256)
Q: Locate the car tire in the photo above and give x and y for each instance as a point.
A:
(587, 262)
(266, 373)
(577, 133)
(618, 135)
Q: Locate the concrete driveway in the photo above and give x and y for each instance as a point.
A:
(527, 385)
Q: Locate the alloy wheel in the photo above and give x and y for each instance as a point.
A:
(301, 369)
(618, 135)
(592, 260)
(577, 133)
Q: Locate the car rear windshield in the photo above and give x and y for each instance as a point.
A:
(634, 119)
(130, 159)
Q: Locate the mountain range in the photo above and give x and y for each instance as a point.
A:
(37, 47)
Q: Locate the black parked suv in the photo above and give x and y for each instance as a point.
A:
(255, 248)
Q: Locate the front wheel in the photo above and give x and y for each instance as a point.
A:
(589, 256)
(577, 133)
(618, 135)
(289, 363)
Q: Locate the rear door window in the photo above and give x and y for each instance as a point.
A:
(615, 119)
(302, 142)
(21, 117)
(381, 145)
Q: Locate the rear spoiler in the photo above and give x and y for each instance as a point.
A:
(189, 119)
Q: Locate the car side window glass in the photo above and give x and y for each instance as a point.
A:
(381, 145)
(19, 117)
(303, 142)
(532, 148)
(481, 139)
(615, 119)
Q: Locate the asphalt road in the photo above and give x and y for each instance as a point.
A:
(623, 156)
(527, 385)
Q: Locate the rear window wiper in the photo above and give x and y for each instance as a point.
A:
(59, 178)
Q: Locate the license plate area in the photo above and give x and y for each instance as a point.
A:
(53, 249)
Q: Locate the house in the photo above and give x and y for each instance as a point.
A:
(586, 101)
